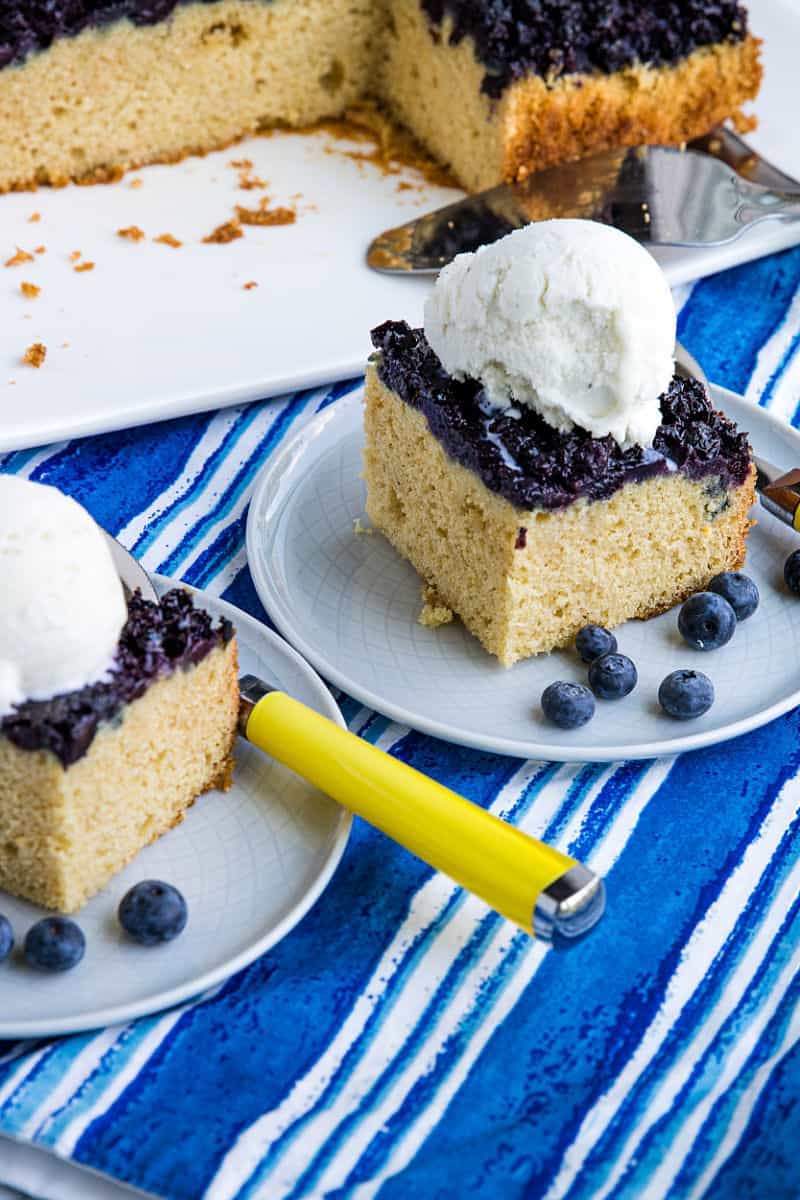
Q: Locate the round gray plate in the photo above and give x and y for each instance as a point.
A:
(250, 863)
(350, 605)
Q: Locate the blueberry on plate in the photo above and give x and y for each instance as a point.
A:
(54, 944)
(707, 621)
(568, 705)
(593, 642)
(612, 676)
(791, 572)
(739, 590)
(153, 912)
(6, 938)
(685, 695)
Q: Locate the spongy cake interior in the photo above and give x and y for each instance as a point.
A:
(65, 832)
(525, 582)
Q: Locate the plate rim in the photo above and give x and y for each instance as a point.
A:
(193, 989)
(286, 458)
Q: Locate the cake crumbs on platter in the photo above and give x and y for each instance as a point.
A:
(20, 257)
(264, 215)
(362, 530)
(29, 290)
(248, 287)
(241, 164)
(228, 231)
(74, 256)
(34, 217)
(168, 239)
(136, 183)
(84, 266)
(434, 611)
(35, 355)
(132, 233)
(40, 250)
(743, 122)
(394, 148)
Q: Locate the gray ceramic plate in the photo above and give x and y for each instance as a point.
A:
(349, 604)
(250, 863)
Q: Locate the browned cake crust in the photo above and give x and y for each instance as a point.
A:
(633, 555)
(109, 99)
(67, 831)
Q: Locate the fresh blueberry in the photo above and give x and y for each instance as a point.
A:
(612, 676)
(685, 695)
(54, 944)
(791, 572)
(6, 938)
(593, 642)
(707, 621)
(739, 590)
(153, 912)
(568, 705)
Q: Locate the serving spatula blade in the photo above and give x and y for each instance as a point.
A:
(660, 195)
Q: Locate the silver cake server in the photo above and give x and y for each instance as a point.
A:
(702, 196)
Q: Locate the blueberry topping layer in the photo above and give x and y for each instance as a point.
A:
(36, 24)
(514, 38)
(156, 640)
(532, 465)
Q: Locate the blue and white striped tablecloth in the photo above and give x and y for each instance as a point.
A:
(404, 1042)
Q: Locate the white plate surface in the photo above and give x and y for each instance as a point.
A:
(349, 603)
(250, 863)
(153, 332)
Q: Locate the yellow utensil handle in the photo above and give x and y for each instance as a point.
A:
(501, 864)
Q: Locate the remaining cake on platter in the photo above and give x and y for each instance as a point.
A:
(92, 773)
(523, 523)
(500, 89)
(493, 89)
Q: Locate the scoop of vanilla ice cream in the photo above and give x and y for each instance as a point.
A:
(573, 318)
(62, 605)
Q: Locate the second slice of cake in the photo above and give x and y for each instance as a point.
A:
(529, 532)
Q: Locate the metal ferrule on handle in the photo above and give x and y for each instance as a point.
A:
(542, 890)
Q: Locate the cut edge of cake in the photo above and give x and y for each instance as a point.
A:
(121, 95)
(67, 830)
(525, 581)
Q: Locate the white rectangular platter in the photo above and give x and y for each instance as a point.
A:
(153, 331)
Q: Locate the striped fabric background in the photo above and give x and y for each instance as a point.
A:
(403, 1042)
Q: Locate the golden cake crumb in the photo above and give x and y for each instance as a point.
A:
(361, 530)
(30, 290)
(40, 250)
(251, 283)
(74, 256)
(84, 266)
(168, 239)
(132, 232)
(242, 164)
(264, 215)
(434, 611)
(20, 257)
(34, 217)
(35, 355)
(229, 231)
(744, 122)
(136, 183)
